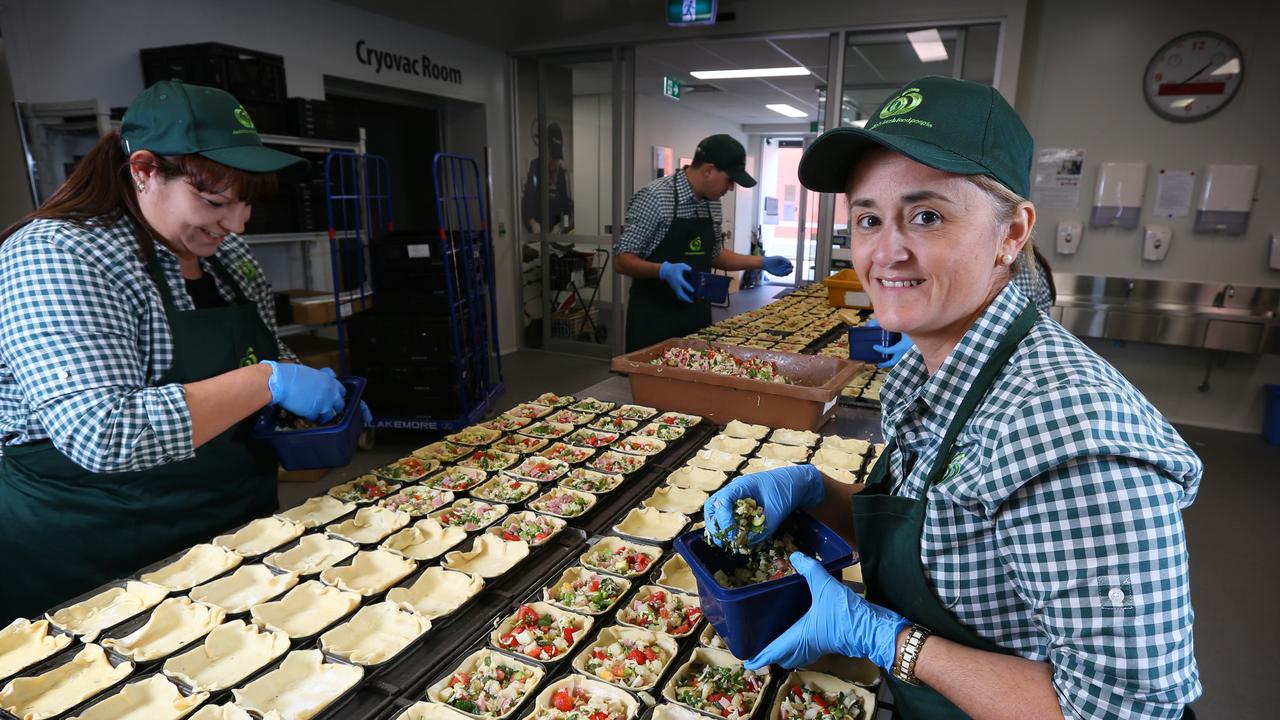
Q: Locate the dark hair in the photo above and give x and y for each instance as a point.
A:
(99, 191)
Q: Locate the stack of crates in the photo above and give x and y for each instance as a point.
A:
(405, 346)
(321, 119)
(255, 78)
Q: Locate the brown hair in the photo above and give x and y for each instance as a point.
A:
(99, 191)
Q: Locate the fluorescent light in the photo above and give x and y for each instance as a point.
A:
(1230, 67)
(789, 111)
(749, 73)
(928, 45)
(859, 123)
(1181, 103)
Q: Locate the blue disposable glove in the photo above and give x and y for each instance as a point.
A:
(778, 265)
(779, 491)
(306, 392)
(673, 275)
(366, 414)
(894, 351)
(838, 621)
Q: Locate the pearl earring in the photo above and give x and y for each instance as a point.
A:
(1006, 259)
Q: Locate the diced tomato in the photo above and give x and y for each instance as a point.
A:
(598, 716)
(568, 635)
(507, 640)
(526, 615)
(649, 654)
(638, 656)
(820, 701)
(508, 535)
(599, 654)
(594, 585)
(562, 700)
(547, 651)
(686, 627)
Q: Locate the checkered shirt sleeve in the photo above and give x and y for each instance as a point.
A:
(1057, 532)
(651, 209)
(84, 342)
(1027, 276)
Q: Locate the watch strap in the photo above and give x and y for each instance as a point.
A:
(904, 667)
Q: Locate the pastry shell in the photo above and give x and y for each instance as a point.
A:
(734, 445)
(715, 460)
(174, 624)
(795, 437)
(24, 643)
(305, 610)
(370, 525)
(317, 511)
(544, 710)
(155, 698)
(425, 540)
(824, 683)
(232, 652)
(244, 588)
(313, 554)
(837, 458)
(651, 524)
(853, 446)
(615, 633)
(739, 429)
(221, 712)
(677, 575)
(371, 572)
(676, 499)
(778, 451)
(468, 664)
(260, 536)
(488, 557)
(59, 689)
(696, 478)
(111, 607)
(437, 592)
(300, 687)
(375, 634)
(196, 565)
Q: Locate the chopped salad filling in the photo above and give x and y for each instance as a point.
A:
(592, 405)
(493, 687)
(541, 469)
(445, 450)
(547, 430)
(678, 419)
(629, 662)
(564, 503)
(505, 490)
(748, 520)
(618, 463)
(720, 362)
(489, 460)
(578, 704)
(470, 515)
(769, 560)
(640, 445)
(528, 411)
(729, 692)
(566, 453)
(609, 423)
(457, 479)
(554, 400)
(364, 489)
(624, 560)
(666, 433)
(541, 636)
(474, 436)
(530, 527)
(569, 417)
(662, 611)
(801, 702)
(519, 444)
(507, 423)
(591, 481)
(592, 438)
(417, 500)
(635, 412)
(592, 593)
(406, 469)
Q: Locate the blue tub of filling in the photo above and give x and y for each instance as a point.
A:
(711, 287)
(862, 338)
(749, 618)
(327, 446)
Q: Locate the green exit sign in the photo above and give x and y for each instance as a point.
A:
(691, 12)
(671, 87)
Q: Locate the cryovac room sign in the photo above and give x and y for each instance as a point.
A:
(417, 65)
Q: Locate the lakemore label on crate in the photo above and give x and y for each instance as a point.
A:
(421, 250)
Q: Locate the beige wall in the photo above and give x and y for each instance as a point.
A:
(15, 201)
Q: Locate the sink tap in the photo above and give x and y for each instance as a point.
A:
(1223, 295)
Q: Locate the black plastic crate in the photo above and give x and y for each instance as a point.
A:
(384, 339)
(250, 75)
(321, 119)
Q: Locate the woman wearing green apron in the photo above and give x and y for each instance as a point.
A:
(1021, 536)
(137, 343)
(673, 230)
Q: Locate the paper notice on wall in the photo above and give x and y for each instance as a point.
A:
(1057, 177)
(1173, 192)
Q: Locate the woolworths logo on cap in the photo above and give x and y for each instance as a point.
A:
(909, 100)
(243, 118)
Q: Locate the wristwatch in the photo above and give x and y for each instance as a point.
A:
(904, 667)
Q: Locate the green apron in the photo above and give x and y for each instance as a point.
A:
(888, 529)
(64, 530)
(654, 313)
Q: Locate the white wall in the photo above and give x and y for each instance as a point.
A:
(1081, 87)
(66, 50)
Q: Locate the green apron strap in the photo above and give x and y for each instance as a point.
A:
(889, 527)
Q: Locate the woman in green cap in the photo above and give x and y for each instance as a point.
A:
(1021, 537)
(137, 343)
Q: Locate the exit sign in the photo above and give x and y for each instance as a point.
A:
(671, 87)
(691, 12)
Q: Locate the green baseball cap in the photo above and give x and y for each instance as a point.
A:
(173, 118)
(726, 154)
(954, 126)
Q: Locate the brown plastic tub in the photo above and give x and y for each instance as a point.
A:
(804, 404)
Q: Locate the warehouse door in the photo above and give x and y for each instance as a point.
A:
(573, 114)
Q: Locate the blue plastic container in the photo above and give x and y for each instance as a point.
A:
(749, 618)
(1271, 420)
(711, 287)
(862, 338)
(330, 446)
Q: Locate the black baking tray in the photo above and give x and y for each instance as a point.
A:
(145, 666)
(177, 556)
(62, 658)
(91, 593)
(289, 546)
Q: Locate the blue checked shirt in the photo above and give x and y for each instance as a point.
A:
(1032, 282)
(652, 208)
(1057, 533)
(84, 341)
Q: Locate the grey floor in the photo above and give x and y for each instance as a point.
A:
(1233, 536)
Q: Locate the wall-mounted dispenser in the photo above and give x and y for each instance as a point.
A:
(1155, 242)
(1118, 200)
(1226, 199)
(1068, 238)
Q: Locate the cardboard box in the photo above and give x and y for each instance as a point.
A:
(315, 307)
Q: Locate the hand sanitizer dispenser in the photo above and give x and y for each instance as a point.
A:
(1118, 200)
(1155, 242)
(1227, 198)
(1068, 238)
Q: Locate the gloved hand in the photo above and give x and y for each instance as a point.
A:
(673, 275)
(838, 621)
(894, 351)
(306, 392)
(779, 491)
(778, 265)
(366, 414)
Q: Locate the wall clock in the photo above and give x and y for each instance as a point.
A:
(1193, 76)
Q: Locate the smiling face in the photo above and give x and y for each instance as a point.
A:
(927, 246)
(191, 221)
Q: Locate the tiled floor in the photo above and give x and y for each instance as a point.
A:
(1231, 531)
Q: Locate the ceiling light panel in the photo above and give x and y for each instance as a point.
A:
(749, 73)
(928, 45)
(789, 111)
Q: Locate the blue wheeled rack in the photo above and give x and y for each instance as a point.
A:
(460, 200)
